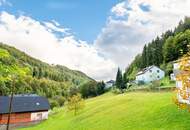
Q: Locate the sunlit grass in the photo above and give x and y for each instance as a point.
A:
(130, 111)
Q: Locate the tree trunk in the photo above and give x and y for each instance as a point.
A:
(10, 105)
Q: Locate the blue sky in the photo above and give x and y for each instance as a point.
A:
(103, 35)
(84, 17)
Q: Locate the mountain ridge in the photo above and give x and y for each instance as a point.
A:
(41, 78)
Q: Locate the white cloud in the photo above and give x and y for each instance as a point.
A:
(36, 39)
(55, 26)
(119, 9)
(129, 27)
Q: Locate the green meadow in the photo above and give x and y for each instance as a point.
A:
(129, 111)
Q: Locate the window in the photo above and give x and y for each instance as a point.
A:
(39, 116)
(158, 77)
(150, 70)
(158, 71)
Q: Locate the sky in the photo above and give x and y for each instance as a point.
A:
(95, 37)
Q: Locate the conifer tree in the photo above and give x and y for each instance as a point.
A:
(144, 57)
(125, 80)
(119, 79)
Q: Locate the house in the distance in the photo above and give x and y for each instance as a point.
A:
(172, 77)
(149, 74)
(26, 110)
(110, 84)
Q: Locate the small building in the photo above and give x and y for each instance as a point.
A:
(110, 84)
(172, 77)
(26, 110)
(149, 74)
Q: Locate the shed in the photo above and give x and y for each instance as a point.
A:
(25, 109)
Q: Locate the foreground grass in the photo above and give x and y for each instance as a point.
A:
(130, 111)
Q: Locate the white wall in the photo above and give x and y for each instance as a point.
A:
(109, 85)
(152, 74)
(39, 116)
(172, 77)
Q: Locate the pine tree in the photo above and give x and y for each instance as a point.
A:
(119, 79)
(144, 57)
(149, 55)
(125, 80)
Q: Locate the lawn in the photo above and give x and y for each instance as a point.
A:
(129, 111)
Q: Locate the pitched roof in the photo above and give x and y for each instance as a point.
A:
(110, 81)
(24, 103)
(146, 69)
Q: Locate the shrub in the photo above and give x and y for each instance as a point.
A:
(129, 85)
(141, 83)
(154, 85)
(60, 100)
(73, 91)
(53, 103)
(116, 91)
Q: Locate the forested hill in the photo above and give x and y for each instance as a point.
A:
(35, 76)
(164, 49)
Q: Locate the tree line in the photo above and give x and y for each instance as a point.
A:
(55, 82)
(164, 49)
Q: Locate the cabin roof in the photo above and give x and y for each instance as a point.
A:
(24, 103)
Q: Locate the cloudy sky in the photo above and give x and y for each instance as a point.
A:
(95, 37)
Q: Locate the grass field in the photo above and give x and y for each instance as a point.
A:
(130, 111)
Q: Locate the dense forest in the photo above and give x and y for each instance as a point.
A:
(32, 76)
(163, 50)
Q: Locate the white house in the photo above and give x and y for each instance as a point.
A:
(172, 77)
(110, 83)
(149, 74)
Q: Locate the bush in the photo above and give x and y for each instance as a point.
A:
(60, 100)
(141, 83)
(116, 91)
(166, 81)
(53, 103)
(154, 85)
(89, 89)
(129, 85)
(73, 91)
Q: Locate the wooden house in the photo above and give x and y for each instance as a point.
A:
(26, 109)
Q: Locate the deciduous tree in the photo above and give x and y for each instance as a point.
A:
(75, 103)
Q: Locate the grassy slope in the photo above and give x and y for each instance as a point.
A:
(131, 111)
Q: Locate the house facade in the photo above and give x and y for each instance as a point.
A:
(150, 74)
(26, 110)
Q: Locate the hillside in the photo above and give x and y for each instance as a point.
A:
(163, 50)
(37, 77)
(129, 111)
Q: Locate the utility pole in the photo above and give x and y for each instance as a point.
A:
(11, 103)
